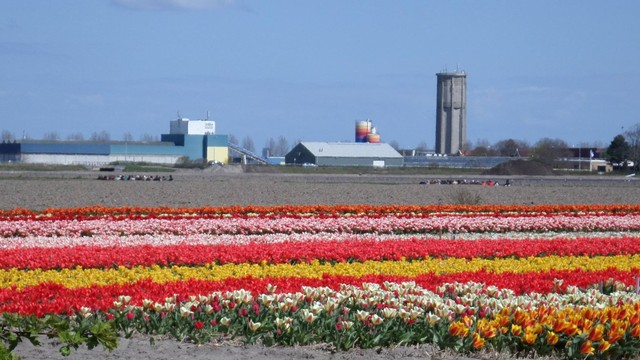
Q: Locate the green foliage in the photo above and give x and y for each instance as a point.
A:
(72, 331)
(547, 150)
(618, 150)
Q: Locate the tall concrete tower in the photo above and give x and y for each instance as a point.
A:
(451, 113)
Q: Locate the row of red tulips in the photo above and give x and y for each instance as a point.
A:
(296, 252)
(306, 210)
(54, 298)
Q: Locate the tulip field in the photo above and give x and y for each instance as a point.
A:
(560, 280)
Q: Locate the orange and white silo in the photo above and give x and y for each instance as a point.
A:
(363, 128)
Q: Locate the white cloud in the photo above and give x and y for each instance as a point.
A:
(172, 4)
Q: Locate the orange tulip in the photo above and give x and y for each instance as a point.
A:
(596, 332)
(571, 330)
(552, 338)
(458, 329)
(478, 341)
(617, 330)
(589, 313)
(604, 346)
(520, 317)
(560, 325)
(516, 330)
(586, 348)
(467, 320)
(502, 319)
(530, 336)
(487, 330)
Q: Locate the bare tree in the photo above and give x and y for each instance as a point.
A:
(51, 136)
(233, 139)
(7, 136)
(146, 137)
(247, 143)
(102, 136)
(77, 136)
(283, 146)
(394, 144)
(127, 137)
(483, 148)
(277, 148)
(633, 138)
(270, 147)
(422, 145)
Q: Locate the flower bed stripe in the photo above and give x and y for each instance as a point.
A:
(294, 252)
(80, 277)
(306, 210)
(377, 224)
(56, 298)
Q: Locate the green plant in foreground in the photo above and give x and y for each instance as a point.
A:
(72, 331)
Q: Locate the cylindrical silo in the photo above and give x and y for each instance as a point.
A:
(373, 138)
(363, 128)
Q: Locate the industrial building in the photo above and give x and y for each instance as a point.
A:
(451, 113)
(344, 154)
(187, 140)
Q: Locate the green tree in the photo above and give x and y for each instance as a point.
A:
(510, 147)
(618, 150)
(547, 150)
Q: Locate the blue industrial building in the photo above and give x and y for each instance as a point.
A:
(188, 140)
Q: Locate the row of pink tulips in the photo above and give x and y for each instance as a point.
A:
(374, 225)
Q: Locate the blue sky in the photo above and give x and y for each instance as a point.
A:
(307, 69)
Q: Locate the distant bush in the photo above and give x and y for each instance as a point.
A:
(464, 196)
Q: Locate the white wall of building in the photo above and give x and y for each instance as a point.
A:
(96, 160)
(192, 127)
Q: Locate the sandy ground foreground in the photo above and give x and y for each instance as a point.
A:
(140, 348)
(207, 188)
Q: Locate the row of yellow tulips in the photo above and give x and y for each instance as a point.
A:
(79, 277)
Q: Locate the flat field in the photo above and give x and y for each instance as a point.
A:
(195, 188)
